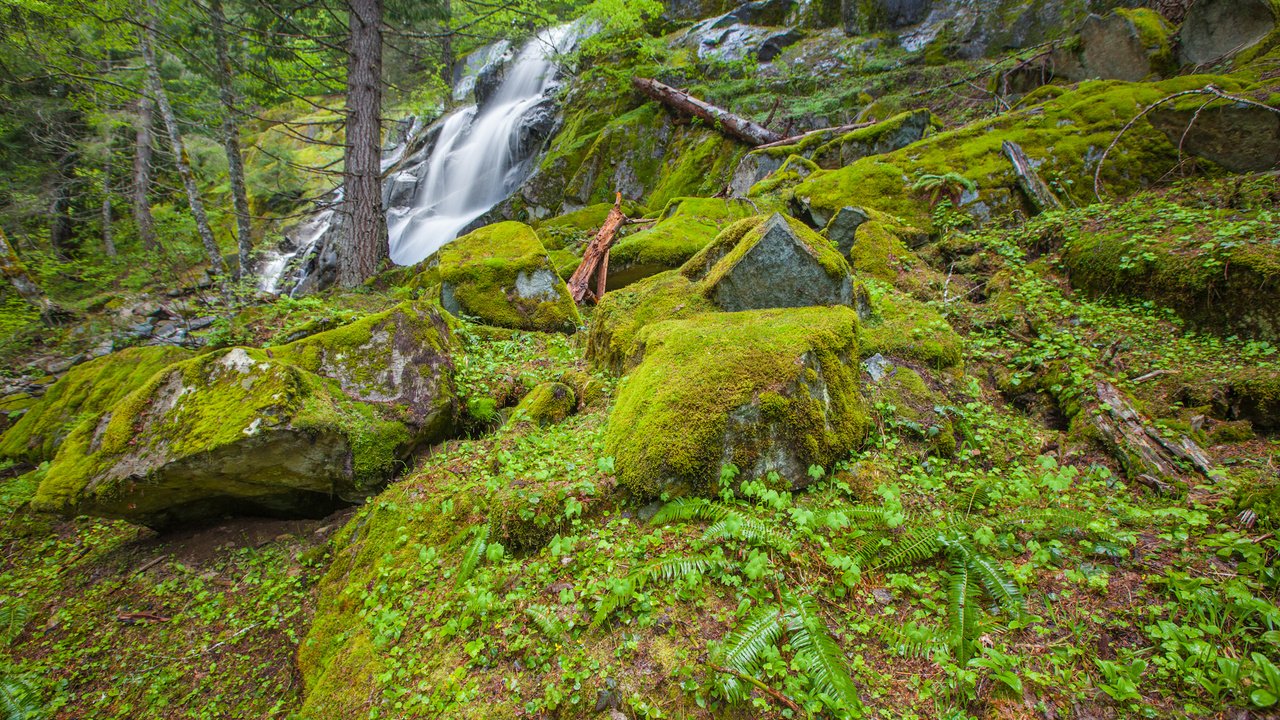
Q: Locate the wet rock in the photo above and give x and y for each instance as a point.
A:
(1241, 138)
(537, 125)
(489, 80)
(844, 226)
(779, 264)
(399, 190)
(1214, 29)
(1129, 45)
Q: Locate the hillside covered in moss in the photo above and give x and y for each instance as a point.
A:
(682, 359)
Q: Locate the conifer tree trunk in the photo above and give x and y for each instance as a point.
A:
(61, 227)
(16, 273)
(108, 241)
(180, 158)
(231, 140)
(363, 247)
(142, 175)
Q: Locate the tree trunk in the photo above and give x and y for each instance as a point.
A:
(363, 247)
(175, 141)
(108, 241)
(16, 273)
(61, 225)
(726, 122)
(446, 44)
(231, 140)
(142, 176)
(1032, 186)
(595, 260)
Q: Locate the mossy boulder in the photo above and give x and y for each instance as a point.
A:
(621, 315)
(86, 389)
(765, 390)
(685, 227)
(501, 275)
(1125, 44)
(546, 404)
(1215, 29)
(905, 328)
(228, 432)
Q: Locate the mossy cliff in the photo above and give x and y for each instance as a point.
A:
(765, 390)
(87, 389)
(501, 275)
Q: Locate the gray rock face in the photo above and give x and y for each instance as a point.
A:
(399, 190)
(1110, 49)
(778, 271)
(541, 284)
(773, 45)
(861, 18)
(892, 134)
(1214, 29)
(753, 168)
(844, 226)
(488, 82)
(1240, 138)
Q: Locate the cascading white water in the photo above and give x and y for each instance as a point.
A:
(477, 159)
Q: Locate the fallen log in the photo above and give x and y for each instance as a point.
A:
(734, 126)
(1137, 446)
(595, 260)
(794, 139)
(1035, 189)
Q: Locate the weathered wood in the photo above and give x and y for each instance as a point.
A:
(1035, 189)
(734, 126)
(1138, 447)
(595, 260)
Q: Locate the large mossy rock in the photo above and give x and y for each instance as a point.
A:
(501, 275)
(1238, 137)
(1129, 45)
(766, 390)
(86, 389)
(292, 431)
(1214, 29)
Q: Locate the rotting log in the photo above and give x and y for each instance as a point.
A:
(1138, 447)
(595, 260)
(734, 126)
(1029, 180)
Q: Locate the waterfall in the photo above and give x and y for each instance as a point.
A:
(481, 156)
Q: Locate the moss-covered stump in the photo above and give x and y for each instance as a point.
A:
(88, 388)
(401, 359)
(545, 404)
(686, 226)
(767, 390)
(228, 432)
(501, 275)
(1217, 268)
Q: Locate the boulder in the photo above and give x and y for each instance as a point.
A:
(501, 275)
(1129, 45)
(884, 137)
(1214, 29)
(686, 227)
(773, 45)
(754, 167)
(767, 391)
(843, 228)
(292, 431)
(1241, 138)
(88, 388)
(779, 263)
(399, 190)
(546, 404)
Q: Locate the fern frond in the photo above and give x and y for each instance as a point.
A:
(997, 582)
(13, 617)
(667, 569)
(869, 516)
(737, 526)
(547, 621)
(686, 509)
(815, 647)
(624, 590)
(916, 546)
(17, 700)
(912, 639)
(962, 608)
(742, 647)
(471, 558)
(1050, 519)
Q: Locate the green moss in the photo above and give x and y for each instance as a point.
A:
(903, 327)
(546, 404)
(735, 244)
(481, 274)
(621, 315)
(669, 428)
(87, 389)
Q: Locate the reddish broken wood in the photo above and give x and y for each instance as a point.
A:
(734, 126)
(595, 261)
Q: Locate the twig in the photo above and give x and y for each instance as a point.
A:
(763, 688)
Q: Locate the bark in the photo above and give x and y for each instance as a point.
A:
(180, 158)
(595, 260)
(142, 176)
(231, 140)
(722, 120)
(108, 241)
(61, 226)
(1138, 447)
(363, 247)
(1035, 189)
(446, 44)
(16, 273)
